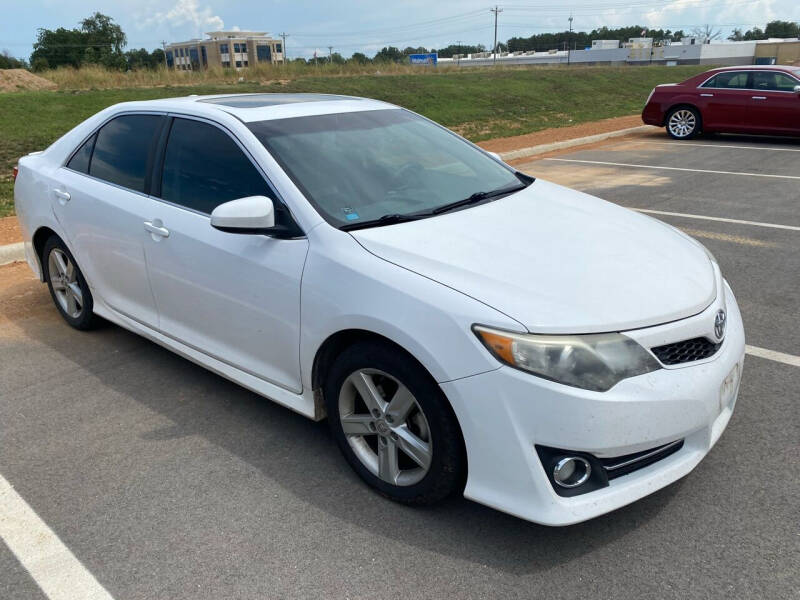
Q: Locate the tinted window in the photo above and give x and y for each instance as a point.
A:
(203, 167)
(734, 79)
(773, 81)
(122, 150)
(80, 160)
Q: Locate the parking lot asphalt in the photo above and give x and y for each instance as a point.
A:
(166, 481)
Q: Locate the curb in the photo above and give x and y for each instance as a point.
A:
(12, 252)
(590, 139)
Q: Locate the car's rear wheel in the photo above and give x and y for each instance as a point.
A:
(68, 288)
(683, 123)
(393, 424)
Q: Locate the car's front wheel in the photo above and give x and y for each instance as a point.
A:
(683, 123)
(68, 288)
(393, 424)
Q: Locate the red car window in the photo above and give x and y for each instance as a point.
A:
(773, 81)
(733, 79)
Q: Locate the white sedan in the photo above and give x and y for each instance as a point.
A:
(463, 326)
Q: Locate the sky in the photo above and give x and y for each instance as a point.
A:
(368, 25)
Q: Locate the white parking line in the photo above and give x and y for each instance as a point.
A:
(781, 357)
(50, 563)
(720, 146)
(720, 219)
(614, 164)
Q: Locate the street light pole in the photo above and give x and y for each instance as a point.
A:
(569, 37)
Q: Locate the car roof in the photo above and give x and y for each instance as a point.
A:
(757, 68)
(261, 106)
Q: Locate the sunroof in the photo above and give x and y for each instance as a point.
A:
(261, 100)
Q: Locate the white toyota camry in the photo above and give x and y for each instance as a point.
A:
(463, 326)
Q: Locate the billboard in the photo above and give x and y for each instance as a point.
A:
(424, 59)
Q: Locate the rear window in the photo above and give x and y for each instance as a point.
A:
(773, 81)
(80, 160)
(728, 79)
(122, 150)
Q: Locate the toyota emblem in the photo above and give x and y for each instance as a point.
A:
(719, 324)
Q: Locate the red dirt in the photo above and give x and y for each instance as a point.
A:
(9, 231)
(560, 134)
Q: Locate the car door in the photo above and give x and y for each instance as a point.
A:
(775, 106)
(100, 199)
(235, 297)
(723, 100)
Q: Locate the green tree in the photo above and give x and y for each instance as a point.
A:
(59, 47)
(756, 33)
(389, 54)
(142, 59)
(9, 62)
(98, 41)
(449, 51)
(782, 29)
(360, 58)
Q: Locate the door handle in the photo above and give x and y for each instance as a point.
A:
(62, 196)
(155, 227)
(707, 95)
(759, 97)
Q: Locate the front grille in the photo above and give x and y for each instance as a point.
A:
(686, 351)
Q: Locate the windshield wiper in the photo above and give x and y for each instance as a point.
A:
(390, 219)
(479, 197)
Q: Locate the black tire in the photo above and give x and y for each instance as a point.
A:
(684, 123)
(445, 475)
(83, 317)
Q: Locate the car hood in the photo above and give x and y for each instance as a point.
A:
(556, 260)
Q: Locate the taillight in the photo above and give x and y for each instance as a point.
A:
(15, 172)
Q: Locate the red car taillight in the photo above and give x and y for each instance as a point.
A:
(15, 172)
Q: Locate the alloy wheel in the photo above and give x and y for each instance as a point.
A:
(64, 281)
(385, 427)
(682, 123)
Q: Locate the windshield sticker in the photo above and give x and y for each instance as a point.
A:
(350, 214)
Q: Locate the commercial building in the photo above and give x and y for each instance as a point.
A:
(234, 49)
(641, 51)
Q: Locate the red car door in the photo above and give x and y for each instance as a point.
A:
(723, 101)
(774, 105)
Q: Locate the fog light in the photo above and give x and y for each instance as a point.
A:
(572, 471)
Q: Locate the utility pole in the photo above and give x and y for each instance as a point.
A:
(496, 12)
(283, 37)
(330, 55)
(458, 43)
(569, 37)
(164, 46)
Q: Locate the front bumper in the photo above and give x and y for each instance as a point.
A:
(504, 413)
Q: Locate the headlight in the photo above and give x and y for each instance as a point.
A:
(594, 362)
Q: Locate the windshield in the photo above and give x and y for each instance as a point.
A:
(360, 166)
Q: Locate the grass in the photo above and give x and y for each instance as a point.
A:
(480, 104)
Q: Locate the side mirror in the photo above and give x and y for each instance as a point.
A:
(797, 89)
(254, 214)
(496, 156)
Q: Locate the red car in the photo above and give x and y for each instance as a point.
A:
(754, 99)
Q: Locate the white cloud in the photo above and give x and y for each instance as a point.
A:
(186, 13)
